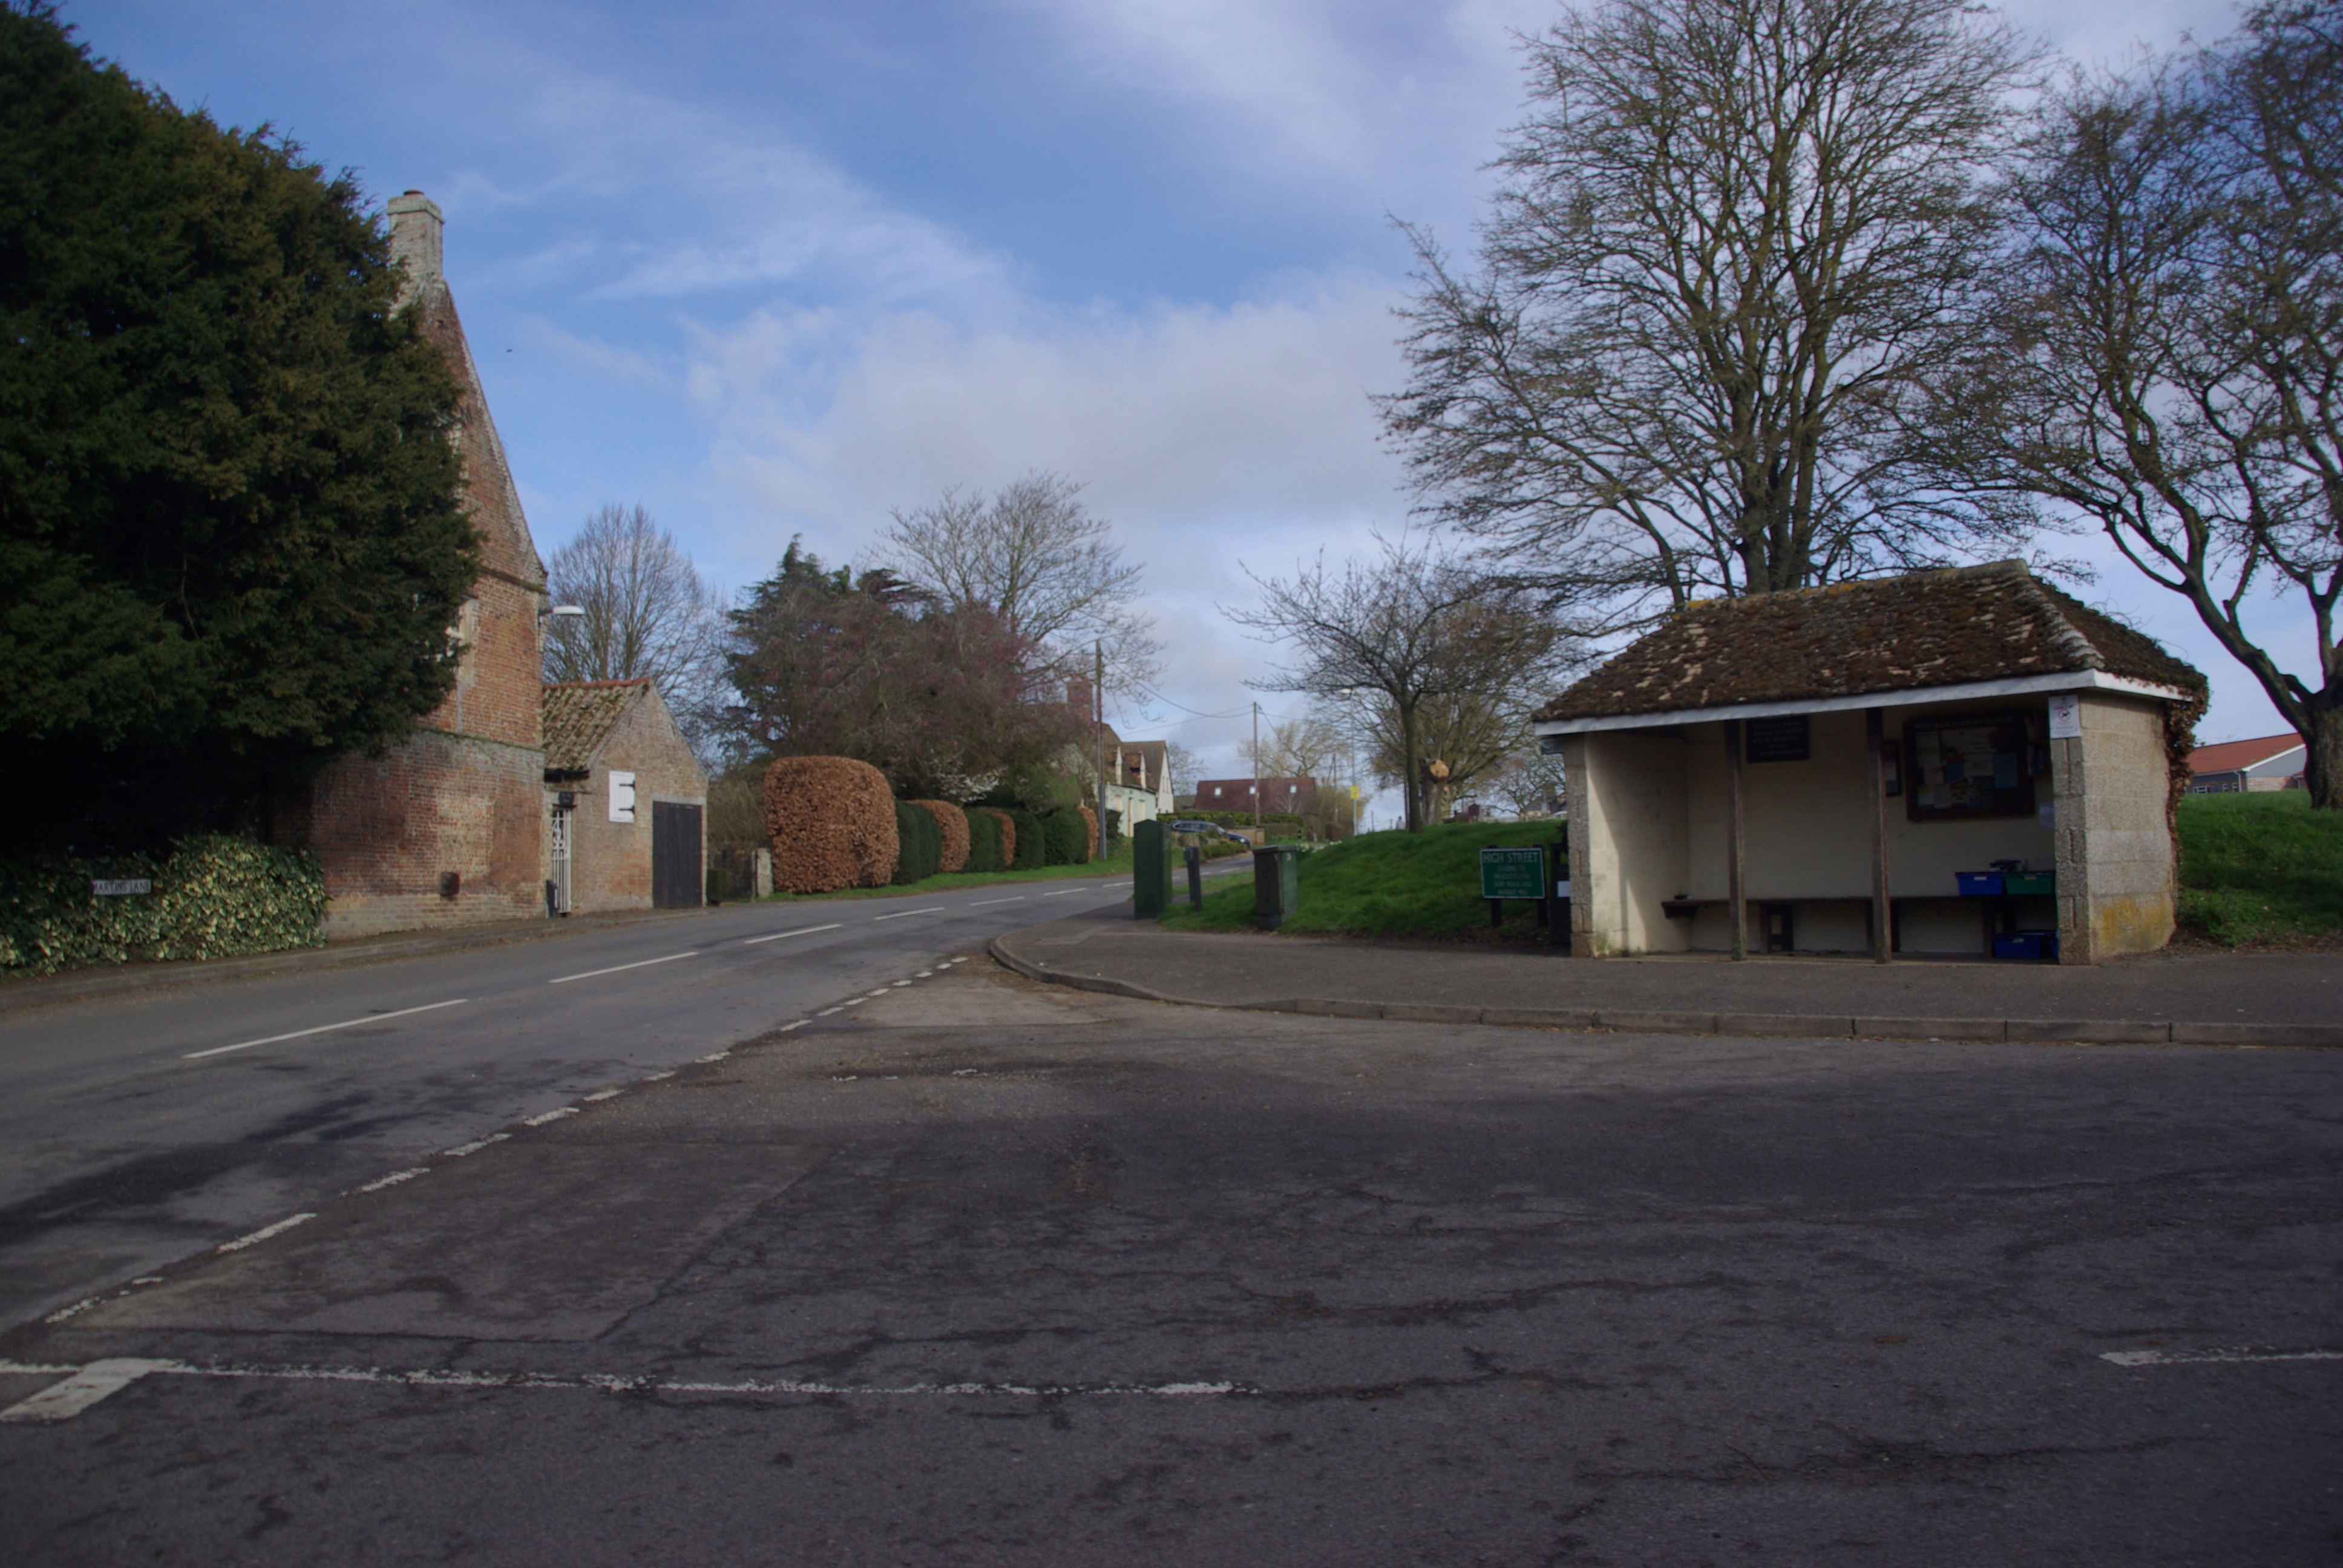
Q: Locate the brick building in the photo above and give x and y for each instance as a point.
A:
(1280, 795)
(629, 807)
(451, 827)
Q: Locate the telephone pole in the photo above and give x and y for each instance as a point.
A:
(1256, 770)
(1097, 733)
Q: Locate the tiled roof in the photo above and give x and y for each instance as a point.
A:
(1908, 633)
(2223, 756)
(580, 714)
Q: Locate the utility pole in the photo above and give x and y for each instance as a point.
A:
(1097, 733)
(1256, 770)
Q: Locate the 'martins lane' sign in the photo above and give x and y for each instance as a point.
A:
(120, 887)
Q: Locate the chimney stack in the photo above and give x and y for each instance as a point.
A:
(416, 228)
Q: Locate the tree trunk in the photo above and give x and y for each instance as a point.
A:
(1411, 773)
(2322, 749)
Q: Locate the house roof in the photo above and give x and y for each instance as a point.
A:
(1957, 626)
(580, 714)
(2225, 756)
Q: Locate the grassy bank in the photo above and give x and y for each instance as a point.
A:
(2261, 870)
(1422, 884)
(2256, 870)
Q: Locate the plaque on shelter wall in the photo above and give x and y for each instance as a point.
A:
(1785, 737)
(1970, 765)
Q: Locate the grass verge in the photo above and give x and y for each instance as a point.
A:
(1389, 884)
(2261, 870)
(946, 881)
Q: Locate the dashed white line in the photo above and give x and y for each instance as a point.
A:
(321, 1029)
(907, 914)
(712, 1056)
(85, 1387)
(265, 1233)
(2198, 1358)
(553, 1115)
(474, 1148)
(776, 936)
(655, 1076)
(602, 1094)
(785, 1029)
(828, 1011)
(75, 1310)
(982, 902)
(393, 1180)
(616, 969)
(923, 974)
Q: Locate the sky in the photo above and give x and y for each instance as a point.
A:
(777, 269)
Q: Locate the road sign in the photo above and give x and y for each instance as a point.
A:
(1516, 873)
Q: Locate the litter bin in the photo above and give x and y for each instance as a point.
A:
(1276, 884)
(1150, 872)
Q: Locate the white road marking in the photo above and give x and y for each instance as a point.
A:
(2193, 1358)
(776, 936)
(66, 1400)
(616, 969)
(713, 1056)
(554, 1115)
(982, 902)
(124, 1372)
(852, 1001)
(75, 1310)
(463, 1149)
(321, 1029)
(1061, 892)
(278, 1228)
(899, 984)
(655, 1076)
(907, 914)
(393, 1180)
(600, 1094)
(875, 995)
(828, 1011)
(923, 974)
(787, 1026)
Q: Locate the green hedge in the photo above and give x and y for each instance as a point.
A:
(1112, 830)
(921, 849)
(1067, 838)
(983, 841)
(215, 897)
(1032, 839)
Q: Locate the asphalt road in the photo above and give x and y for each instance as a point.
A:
(139, 1129)
(988, 1272)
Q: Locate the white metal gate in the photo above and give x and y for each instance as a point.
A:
(561, 859)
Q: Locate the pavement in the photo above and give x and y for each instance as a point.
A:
(990, 1272)
(2187, 999)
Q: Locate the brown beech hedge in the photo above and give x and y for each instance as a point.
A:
(952, 823)
(1008, 837)
(833, 823)
(1089, 820)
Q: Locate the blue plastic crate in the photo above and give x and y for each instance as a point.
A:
(2026, 945)
(1979, 884)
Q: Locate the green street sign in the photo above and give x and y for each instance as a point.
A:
(1513, 873)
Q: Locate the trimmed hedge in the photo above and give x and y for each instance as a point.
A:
(952, 823)
(832, 823)
(920, 845)
(1064, 838)
(1091, 846)
(1113, 830)
(985, 828)
(1030, 849)
(215, 897)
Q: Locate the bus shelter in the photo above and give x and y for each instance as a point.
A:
(1964, 761)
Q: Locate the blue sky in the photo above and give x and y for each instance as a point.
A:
(776, 269)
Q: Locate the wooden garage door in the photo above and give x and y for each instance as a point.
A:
(676, 881)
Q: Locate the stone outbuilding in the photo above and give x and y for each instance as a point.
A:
(1958, 761)
(626, 799)
(448, 828)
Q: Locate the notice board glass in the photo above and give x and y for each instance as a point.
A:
(1970, 765)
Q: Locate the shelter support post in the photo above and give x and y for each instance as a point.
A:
(1882, 931)
(1736, 857)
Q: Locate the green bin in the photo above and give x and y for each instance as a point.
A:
(1276, 884)
(2030, 884)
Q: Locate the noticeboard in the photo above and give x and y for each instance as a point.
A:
(1518, 873)
(1972, 765)
(1782, 738)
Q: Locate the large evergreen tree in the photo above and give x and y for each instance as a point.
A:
(231, 543)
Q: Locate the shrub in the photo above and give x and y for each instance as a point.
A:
(720, 884)
(1061, 837)
(214, 897)
(919, 841)
(952, 823)
(1113, 830)
(833, 823)
(1090, 849)
(1031, 845)
(985, 830)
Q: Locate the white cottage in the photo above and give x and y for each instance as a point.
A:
(1958, 761)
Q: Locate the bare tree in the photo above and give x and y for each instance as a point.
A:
(1033, 556)
(1462, 738)
(647, 613)
(1412, 628)
(1179, 766)
(1530, 781)
(1734, 234)
(2167, 361)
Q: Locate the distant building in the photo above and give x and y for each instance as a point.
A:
(1294, 796)
(1136, 775)
(2233, 767)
